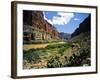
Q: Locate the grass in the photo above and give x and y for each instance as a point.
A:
(34, 55)
(60, 54)
(59, 48)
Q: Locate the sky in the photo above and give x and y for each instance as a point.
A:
(65, 22)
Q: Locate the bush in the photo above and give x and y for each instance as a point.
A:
(77, 59)
(31, 56)
(54, 62)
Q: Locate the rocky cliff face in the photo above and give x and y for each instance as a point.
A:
(39, 28)
(85, 26)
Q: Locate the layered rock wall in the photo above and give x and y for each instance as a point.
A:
(36, 28)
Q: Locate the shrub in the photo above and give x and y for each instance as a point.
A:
(54, 62)
(31, 56)
(77, 59)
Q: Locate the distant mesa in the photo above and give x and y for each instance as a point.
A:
(65, 36)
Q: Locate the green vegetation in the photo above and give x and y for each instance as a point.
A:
(48, 53)
(82, 57)
(75, 52)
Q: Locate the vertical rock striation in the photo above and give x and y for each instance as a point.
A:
(36, 28)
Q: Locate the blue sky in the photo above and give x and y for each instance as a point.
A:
(65, 22)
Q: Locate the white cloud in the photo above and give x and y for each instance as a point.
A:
(47, 19)
(61, 18)
(76, 19)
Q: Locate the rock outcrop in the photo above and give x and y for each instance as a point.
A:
(36, 28)
(85, 26)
